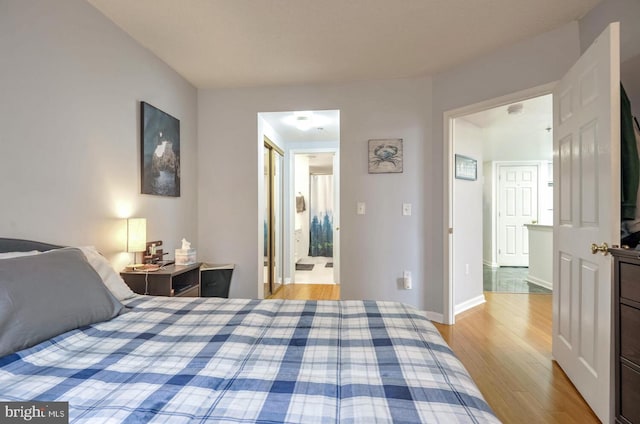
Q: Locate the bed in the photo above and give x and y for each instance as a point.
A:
(243, 361)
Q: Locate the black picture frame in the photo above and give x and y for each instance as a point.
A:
(466, 168)
(159, 152)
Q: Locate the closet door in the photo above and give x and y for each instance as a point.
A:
(267, 223)
(273, 217)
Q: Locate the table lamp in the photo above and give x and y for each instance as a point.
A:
(136, 237)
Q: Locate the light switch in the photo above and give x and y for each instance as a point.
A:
(360, 209)
(406, 209)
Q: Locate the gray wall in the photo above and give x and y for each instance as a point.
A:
(375, 248)
(467, 218)
(627, 12)
(70, 86)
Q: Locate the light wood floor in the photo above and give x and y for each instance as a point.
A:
(505, 345)
(308, 292)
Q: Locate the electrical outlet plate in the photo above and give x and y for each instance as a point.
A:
(406, 280)
(406, 209)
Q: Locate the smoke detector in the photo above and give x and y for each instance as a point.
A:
(515, 108)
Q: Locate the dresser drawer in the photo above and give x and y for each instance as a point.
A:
(630, 281)
(629, 340)
(629, 394)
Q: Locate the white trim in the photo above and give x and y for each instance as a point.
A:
(539, 282)
(435, 316)
(471, 303)
(490, 264)
(447, 201)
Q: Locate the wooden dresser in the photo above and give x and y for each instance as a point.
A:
(626, 309)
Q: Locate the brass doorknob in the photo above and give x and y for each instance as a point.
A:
(604, 248)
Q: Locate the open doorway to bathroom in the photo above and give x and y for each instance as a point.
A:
(310, 141)
(314, 218)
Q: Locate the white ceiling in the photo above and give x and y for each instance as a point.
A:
(536, 114)
(235, 43)
(326, 126)
(524, 136)
(320, 163)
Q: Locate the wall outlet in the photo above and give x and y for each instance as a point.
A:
(406, 209)
(406, 280)
(360, 208)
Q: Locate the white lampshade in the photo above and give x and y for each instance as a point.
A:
(136, 234)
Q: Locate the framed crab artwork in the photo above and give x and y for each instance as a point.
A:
(385, 156)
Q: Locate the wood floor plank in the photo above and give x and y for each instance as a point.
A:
(505, 344)
(308, 292)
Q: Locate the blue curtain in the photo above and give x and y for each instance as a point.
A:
(321, 215)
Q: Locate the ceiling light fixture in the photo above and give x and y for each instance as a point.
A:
(305, 120)
(515, 108)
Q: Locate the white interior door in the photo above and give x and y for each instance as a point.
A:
(586, 148)
(517, 206)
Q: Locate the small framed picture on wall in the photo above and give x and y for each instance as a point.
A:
(385, 156)
(466, 168)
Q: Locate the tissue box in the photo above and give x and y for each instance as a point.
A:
(185, 256)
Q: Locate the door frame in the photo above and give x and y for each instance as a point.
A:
(448, 313)
(336, 206)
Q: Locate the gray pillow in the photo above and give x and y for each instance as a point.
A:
(48, 294)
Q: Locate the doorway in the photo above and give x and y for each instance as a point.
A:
(306, 259)
(273, 217)
(315, 218)
(511, 140)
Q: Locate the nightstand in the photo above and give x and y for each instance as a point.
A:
(171, 280)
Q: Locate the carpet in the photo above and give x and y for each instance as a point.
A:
(304, 267)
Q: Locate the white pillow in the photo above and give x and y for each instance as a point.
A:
(109, 276)
(9, 255)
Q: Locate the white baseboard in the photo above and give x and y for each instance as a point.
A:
(468, 304)
(435, 316)
(539, 282)
(287, 280)
(490, 264)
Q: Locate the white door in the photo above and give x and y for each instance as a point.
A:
(517, 206)
(336, 217)
(586, 148)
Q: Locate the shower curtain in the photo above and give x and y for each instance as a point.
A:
(321, 215)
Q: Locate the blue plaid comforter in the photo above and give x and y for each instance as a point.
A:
(238, 361)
